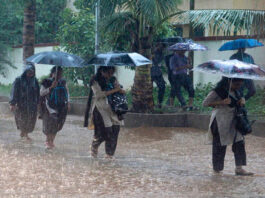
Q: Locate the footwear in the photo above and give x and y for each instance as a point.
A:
(109, 156)
(217, 172)
(242, 172)
(94, 152)
(48, 145)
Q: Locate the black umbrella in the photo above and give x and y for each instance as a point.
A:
(119, 59)
(57, 58)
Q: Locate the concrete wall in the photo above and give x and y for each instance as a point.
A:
(15, 56)
(126, 75)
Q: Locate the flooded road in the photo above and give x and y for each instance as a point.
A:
(149, 162)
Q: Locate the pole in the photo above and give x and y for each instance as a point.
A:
(97, 15)
(191, 35)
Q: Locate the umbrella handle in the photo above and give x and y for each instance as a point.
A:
(230, 85)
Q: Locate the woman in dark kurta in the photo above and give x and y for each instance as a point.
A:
(24, 100)
(53, 114)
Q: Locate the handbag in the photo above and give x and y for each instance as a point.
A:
(243, 125)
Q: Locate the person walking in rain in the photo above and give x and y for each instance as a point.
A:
(179, 64)
(24, 101)
(248, 83)
(171, 98)
(55, 106)
(156, 73)
(222, 130)
(106, 122)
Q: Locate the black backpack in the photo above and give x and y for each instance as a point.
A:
(58, 97)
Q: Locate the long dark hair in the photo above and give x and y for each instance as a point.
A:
(224, 83)
(55, 69)
(223, 86)
(101, 80)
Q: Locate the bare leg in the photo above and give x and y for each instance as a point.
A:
(52, 139)
(190, 102)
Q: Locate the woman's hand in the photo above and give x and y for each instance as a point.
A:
(242, 102)
(226, 101)
(122, 91)
(13, 108)
(54, 84)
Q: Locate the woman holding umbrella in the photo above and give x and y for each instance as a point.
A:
(55, 93)
(222, 131)
(225, 128)
(106, 122)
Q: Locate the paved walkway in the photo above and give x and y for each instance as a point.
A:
(150, 162)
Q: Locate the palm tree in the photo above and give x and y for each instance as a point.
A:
(228, 22)
(140, 19)
(29, 28)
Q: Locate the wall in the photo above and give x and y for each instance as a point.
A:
(15, 56)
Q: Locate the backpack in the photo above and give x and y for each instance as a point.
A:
(58, 97)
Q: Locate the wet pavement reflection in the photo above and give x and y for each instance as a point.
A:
(149, 162)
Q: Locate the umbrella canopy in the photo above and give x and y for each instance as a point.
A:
(57, 58)
(187, 46)
(119, 59)
(232, 69)
(240, 43)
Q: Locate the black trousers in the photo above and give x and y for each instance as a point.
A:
(102, 133)
(218, 151)
(178, 81)
(161, 85)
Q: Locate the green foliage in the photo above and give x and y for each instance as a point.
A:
(48, 19)
(76, 36)
(227, 21)
(46, 25)
(77, 90)
(5, 89)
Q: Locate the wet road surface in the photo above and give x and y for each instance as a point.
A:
(149, 162)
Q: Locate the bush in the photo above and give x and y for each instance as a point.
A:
(5, 89)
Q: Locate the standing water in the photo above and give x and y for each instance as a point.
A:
(149, 162)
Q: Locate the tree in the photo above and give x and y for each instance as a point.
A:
(141, 19)
(228, 22)
(8, 20)
(76, 36)
(29, 28)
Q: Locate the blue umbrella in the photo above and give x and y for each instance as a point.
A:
(240, 43)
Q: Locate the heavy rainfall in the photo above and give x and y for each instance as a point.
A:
(127, 98)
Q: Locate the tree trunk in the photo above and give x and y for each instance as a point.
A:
(29, 28)
(142, 90)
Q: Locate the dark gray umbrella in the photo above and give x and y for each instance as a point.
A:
(119, 59)
(57, 58)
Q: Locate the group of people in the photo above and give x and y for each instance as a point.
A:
(52, 101)
(178, 66)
